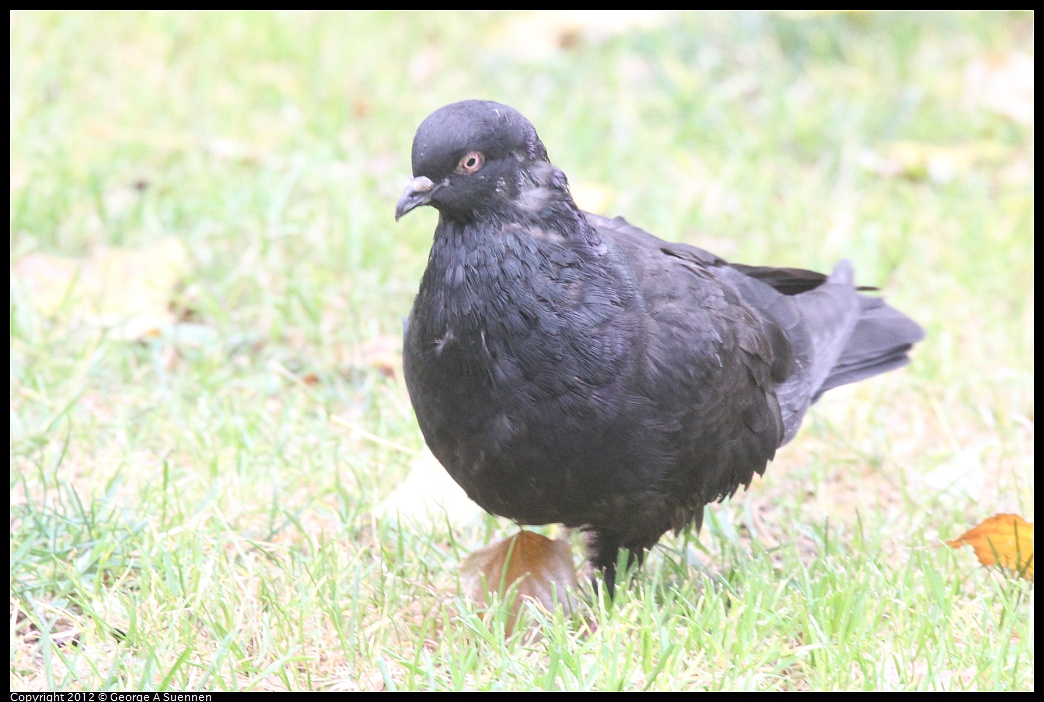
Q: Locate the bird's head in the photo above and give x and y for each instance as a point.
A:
(479, 156)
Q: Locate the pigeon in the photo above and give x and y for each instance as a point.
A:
(566, 368)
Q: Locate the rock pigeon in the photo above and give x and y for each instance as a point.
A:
(569, 368)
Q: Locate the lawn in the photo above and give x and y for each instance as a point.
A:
(209, 426)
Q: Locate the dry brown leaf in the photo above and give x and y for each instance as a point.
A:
(544, 566)
(127, 290)
(383, 353)
(1003, 538)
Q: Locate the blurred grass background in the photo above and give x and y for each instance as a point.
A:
(186, 515)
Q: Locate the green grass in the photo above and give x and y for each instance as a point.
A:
(185, 515)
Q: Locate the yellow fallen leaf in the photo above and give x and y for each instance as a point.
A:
(49, 280)
(428, 498)
(1005, 539)
(545, 568)
(1002, 83)
(939, 163)
(127, 290)
(591, 197)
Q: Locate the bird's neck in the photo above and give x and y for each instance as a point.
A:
(494, 262)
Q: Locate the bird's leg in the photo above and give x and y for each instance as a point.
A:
(603, 548)
(608, 563)
(608, 577)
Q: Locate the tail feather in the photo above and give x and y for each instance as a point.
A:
(839, 336)
(880, 341)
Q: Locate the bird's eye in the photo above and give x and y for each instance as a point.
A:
(471, 162)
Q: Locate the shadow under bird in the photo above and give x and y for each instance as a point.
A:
(568, 368)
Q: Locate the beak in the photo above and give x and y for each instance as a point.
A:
(418, 192)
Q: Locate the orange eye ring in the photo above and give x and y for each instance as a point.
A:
(471, 162)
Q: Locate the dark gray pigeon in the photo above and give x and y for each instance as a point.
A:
(568, 368)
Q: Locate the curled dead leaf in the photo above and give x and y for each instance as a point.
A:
(543, 566)
(1004, 539)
